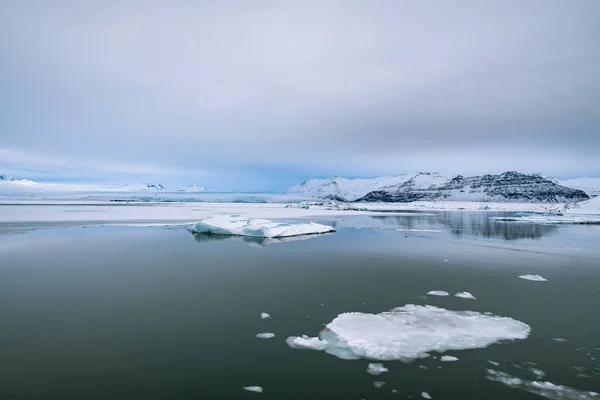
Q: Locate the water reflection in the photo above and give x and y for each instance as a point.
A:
(251, 241)
(465, 223)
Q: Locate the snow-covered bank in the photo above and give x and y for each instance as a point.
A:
(257, 227)
(588, 207)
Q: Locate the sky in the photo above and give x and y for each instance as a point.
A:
(259, 95)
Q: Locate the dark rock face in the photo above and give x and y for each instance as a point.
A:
(506, 187)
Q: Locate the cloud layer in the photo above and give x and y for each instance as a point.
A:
(289, 89)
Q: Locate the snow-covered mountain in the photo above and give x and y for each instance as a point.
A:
(343, 189)
(192, 188)
(589, 185)
(507, 187)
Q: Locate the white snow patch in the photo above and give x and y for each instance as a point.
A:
(544, 389)
(265, 315)
(438, 293)
(465, 295)
(265, 335)
(410, 332)
(257, 389)
(305, 342)
(379, 384)
(448, 358)
(535, 278)
(376, 369)
(256, 227)
(425, 395)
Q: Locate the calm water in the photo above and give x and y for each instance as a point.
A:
(143, 313)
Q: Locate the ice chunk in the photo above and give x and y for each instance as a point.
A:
(494, 363)
(425, 395)
(559, 339)
(543, 389)
(410, 332)
(448, 358)
(538, 373)
(257, 389)
(255, 227)
(465, 295)
(265, 315)
(438, 293)
(379, 384)
(536, 278)
(376, 369)
(265, 335)
(305, 342)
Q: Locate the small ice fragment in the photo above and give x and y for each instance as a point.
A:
(376, 369)
(379, 384)
(538, 373)
(446, 260)
(448, 358)
(425, 395)
(494, 363)
(394, 391)
(265, 315)
(437, 293)
(559, 339)
(535, 278)
(257, 389)
(465, 295)
(265, 335)
(423, 367)
(306, 342)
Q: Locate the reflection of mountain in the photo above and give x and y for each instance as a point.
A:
(463, 223)
(250, 241)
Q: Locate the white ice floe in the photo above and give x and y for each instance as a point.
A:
(379, 384)
(376, 369)
(559, 339)
(543, 389)
(535, 278)
(265, 335)
(448, 358)
(305, 342)
(420, 230)
(425, 395)
(257, 389)
(256, 227)
(538, 373)
(465, 295)
(410, 332)
(438, 293)
(494, 363)
(265, 315)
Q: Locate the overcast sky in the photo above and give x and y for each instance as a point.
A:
(262, 94)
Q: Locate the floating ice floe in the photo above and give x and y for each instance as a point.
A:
(265, 315)
(379, 384)
(448, 358)
(543, 389)
(438, 293)
(256, 227)
(559, 339)
(538, 373)
(425, 395)
(535, 278)
(265, 335)
(410, 332)
(494, 363)
(465, 295)
(307, 343)
(257, 389)
(376, 369)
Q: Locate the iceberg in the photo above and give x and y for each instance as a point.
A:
(425, 395)
(265, 315)
(255, 227)
(465, 295)
(411, 332)
(257, 389)
(448, 358)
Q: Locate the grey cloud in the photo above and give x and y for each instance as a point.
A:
(345, 87)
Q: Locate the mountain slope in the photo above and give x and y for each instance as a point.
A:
(507, 187)
(589, 185)
(343, 189)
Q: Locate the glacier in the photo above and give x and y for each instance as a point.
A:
(412, 331)
(255, 227)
